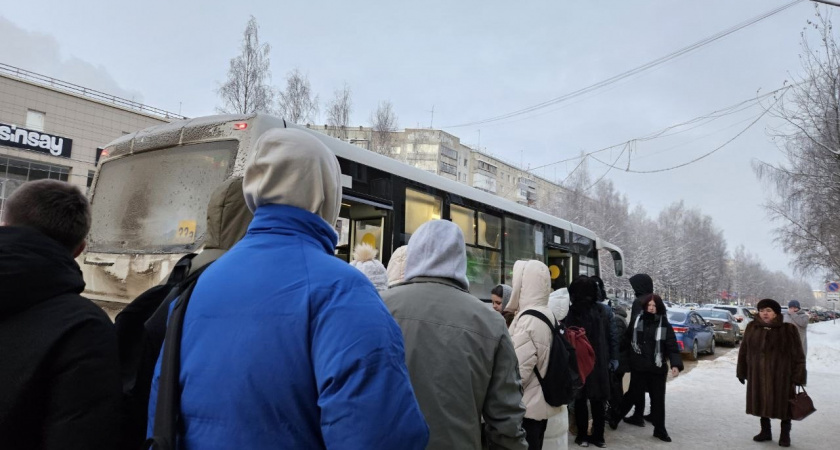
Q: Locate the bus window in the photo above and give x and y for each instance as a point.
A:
(465, 219)
(483, 271)
(156, 201)
(489, 231)
(519, 244)
(559, 267)
(368, 231)
(419, 209)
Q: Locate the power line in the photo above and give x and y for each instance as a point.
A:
(631, 72)
(723, 112)
(701, 156)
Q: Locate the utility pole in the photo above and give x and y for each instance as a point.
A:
(432, 122)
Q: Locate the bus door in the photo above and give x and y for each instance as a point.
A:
(361, 220)
(559, 261)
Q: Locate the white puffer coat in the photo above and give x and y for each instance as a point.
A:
(531, 337)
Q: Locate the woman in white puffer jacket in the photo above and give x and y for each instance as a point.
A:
(532, 341)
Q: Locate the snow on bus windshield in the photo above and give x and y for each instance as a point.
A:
(156, 202)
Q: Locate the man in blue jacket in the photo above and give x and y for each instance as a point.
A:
(284, 345)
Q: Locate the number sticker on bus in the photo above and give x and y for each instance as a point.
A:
(186, 232)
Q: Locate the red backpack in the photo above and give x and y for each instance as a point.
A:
(583, 349)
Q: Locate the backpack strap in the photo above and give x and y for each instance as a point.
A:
(167, 409)
(539, 315)
(181, 269)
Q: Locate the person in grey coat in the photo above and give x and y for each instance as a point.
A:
(459, 354)
(800, 318)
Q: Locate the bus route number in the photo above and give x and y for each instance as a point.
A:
(186, 231)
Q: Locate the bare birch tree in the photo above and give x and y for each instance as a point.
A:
(338, 111)
(296, 103)
(807, 182)
(383, 122)
(248, 89)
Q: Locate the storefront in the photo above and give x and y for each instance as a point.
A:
(52, 129)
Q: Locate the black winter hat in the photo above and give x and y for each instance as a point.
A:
(769, 303)
(642, 284)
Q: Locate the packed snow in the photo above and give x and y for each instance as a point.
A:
(705, 406)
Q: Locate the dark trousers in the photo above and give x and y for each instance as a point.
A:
(635, 395)
(653, 383)
(534, 432)
(582, 419)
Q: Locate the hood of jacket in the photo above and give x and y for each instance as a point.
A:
(642, 284)
(531, 285)
(292, 167)
(506, 293)
(34, 268)
(558, 303)
(437, 249)
(228, 216)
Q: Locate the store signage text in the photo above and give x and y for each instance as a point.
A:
(15, 136)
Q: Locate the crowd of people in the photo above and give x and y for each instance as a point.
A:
(285, 346)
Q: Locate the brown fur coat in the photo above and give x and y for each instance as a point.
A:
(772, 361)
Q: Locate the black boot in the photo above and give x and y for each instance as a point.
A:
(661, 434)
(765, 434)
(784, 438)
(635, 419)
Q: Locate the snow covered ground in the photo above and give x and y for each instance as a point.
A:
(705, 407)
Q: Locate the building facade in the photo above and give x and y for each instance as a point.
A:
(52, 129)
(442, 153)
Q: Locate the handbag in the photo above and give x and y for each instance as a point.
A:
(801, 405)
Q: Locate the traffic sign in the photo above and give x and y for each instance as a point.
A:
(833, 287)
(832, 296)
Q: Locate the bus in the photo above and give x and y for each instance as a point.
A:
(150, 193)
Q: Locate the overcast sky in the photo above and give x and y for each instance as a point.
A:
(470, 60)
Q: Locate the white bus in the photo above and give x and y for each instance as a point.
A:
(149, 201)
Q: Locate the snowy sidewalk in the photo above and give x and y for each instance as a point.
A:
(705, 407)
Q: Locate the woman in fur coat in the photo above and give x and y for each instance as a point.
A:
(772, 362)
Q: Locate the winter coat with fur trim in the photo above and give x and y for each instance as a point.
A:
(772, 362)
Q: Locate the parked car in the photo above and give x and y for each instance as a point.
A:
(726, 327)
(694, 334)
(742, 314)
(691, 306)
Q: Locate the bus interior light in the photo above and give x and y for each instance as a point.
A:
(240, 126)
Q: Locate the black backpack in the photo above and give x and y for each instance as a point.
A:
(140, 329)
(561, 384)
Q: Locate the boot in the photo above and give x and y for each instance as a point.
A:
(765, 434)
(784, 438)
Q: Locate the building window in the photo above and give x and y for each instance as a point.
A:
(465, 162)
(487, 167)
(90, 179)
(449, 153)
(448, 168)
(15, 172)
(35, 120)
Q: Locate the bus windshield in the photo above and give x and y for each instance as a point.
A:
(156, 201)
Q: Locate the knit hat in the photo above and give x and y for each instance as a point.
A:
(794, 304)
(292, 167)
(364, 259)
(769, 303)
(396, 266)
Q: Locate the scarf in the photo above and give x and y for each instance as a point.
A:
(639, 327)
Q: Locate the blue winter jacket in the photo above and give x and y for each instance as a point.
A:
(287, 347)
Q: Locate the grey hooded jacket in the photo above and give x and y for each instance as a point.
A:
(459, 355)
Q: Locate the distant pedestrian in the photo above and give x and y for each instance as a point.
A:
(396, 266)
(653, 345)
(284, 345)
(771, 361)
(532, 341)
(500, 296)
(585, 312)
(800, 318)
(364, 259)
(458, 351)
(59, 369)
(642, 285)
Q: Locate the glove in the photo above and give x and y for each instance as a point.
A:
(613, 365)
(743, 381)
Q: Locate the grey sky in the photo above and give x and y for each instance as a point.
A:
(469, 60)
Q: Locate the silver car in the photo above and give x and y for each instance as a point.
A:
(727, 330)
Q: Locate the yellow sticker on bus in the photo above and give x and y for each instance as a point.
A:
(185, 232)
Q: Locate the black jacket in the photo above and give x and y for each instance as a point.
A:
(646, 341)
(59, 373)
(620, 321)
(592, 317)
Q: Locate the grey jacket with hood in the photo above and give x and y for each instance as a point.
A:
(459, 355)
